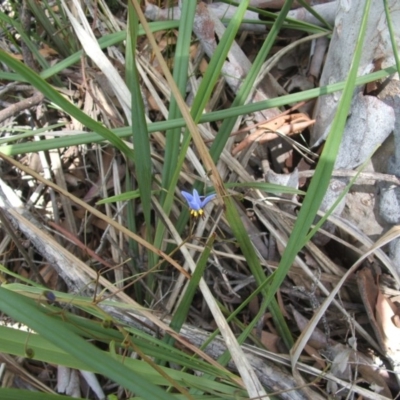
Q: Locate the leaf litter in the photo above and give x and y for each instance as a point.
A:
(267, 145)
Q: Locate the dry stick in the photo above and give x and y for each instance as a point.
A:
(22, 105)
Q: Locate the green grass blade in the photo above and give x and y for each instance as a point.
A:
(321, 179)
(331, 209)
(104, 42)
(140, 137)
(392, 35)
(28, 312)
(17, 342)
(265, 187)
(25, 38)
(232, 215)
(270, 17)
(183, 309)
(64, 104)
(311, 10)
(132, 226)
(53, 32)
(124, 132)
(257, 106)
(180, 73)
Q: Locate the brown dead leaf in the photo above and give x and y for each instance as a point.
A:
(382, 314)
(47, 51)
(203, 66)
(286, 125)
(313, 353)
(270, 341)
(318, 339)
(164, 40)
(369, 290)
(316, 342)
(385, 312)
(49, 275)
(193, 50)
(153, 105)
(254, 306)
(396, 320)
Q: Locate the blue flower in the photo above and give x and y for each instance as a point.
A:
(197, 203)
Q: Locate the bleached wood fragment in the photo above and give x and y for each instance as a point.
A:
(341, 50)
(371, 121)
(327, 11)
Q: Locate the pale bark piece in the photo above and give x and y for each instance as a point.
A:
(227, 11)
(389, 206)
(68, 381)
(333, 191)
(288, 180)
(362, 209)
(272, 4)
(93, 382)
(371, 121)
(327, 11)
(317, 61)
(377, 45)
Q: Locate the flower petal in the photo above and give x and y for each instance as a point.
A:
(193, 204)
(188, 196)
(207, 200)
(196, 200)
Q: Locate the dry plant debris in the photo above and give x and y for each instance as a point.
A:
(56, 232)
